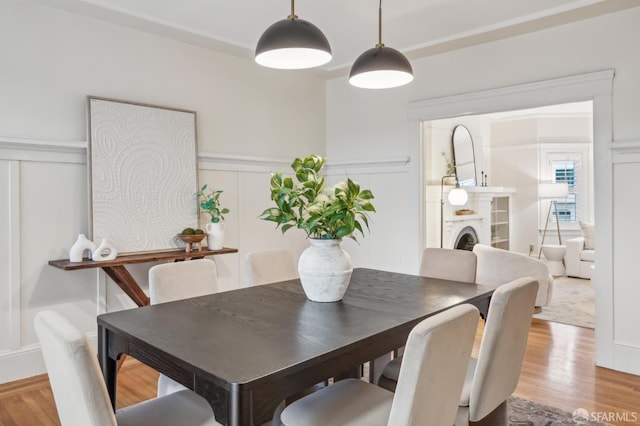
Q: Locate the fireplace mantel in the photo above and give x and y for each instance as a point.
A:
(480, 198)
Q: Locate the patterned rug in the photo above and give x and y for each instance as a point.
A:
(572, 302)
(527, 413)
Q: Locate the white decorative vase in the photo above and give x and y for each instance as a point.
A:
(325, 270)
(105, 251)
(78, 248)
(215, 235)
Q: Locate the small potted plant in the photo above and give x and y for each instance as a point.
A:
(450, 177)
(209, 201)
(326, 215)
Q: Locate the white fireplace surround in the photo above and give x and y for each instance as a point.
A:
(479, 201)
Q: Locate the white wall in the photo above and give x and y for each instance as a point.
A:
(375, 124)
(517, 152)
(51, 60)
(250, 120)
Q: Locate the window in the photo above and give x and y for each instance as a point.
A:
(570, 163)
(566, 171)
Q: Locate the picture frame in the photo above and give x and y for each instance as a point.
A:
(142, 167)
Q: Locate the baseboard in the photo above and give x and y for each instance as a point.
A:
(21, 364)
(626, 358)
(27, 362)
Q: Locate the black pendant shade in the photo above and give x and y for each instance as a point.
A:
(292, 43)
(380, 68)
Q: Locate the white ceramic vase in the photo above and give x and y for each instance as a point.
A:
(325, 270)
(78, 248)
(105, 251)
(215, 235)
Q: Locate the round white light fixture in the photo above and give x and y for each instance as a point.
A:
(292, 43)
(380, 67)
(458, 196)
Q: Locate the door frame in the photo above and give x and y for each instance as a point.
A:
(596, 87)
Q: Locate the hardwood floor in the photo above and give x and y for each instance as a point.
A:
(559, 371)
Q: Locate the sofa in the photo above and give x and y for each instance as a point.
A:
(496, 266)
(580, 255)
(578, 259)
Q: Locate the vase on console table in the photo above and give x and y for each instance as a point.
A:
(105, 251)
(215, 235)
(79, 247)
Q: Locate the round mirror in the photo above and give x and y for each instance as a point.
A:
(463, 156)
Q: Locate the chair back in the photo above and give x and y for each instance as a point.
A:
(448, 264)
(434, 367)
(76, 380)
(497, 266)
(272, 266)
(503, 346)
(181, 280)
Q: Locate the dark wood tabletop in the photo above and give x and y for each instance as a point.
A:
(246, 350)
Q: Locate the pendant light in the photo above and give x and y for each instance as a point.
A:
(292, 43)
(380, 67)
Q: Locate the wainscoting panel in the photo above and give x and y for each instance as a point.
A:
(256, 234)
(53, 212)
(388, 229)
(227, 264)
(626, 234)
(6, 278)
(45, 186)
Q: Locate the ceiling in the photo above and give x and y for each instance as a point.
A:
(418, 28)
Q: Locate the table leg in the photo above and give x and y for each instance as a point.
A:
(239, 409)
(109, 366)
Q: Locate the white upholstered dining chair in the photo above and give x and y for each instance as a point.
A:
(497, 266)
(441, 263)
(429, 386)
(448, 264)
(180, 280)
(270, 266)
(494, 375)
(80, 392)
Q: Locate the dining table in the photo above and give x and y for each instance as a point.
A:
(246, 350)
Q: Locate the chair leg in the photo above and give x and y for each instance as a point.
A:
(498, 417)
(387, 384)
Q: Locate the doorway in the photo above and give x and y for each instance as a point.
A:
(515, 151)
(595, 87)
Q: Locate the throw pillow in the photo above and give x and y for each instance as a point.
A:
(588, 232)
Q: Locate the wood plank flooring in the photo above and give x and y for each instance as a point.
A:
(559, 371)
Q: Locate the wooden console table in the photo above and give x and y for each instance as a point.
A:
(118, 272)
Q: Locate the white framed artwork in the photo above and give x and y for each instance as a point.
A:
(142, 164)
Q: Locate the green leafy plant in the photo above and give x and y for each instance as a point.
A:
(209, 201)
(323, 213)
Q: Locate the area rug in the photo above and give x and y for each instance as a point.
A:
(527, 413)
(572, 302)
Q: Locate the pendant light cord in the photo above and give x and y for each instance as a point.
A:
(293, 13)
(380, 43)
